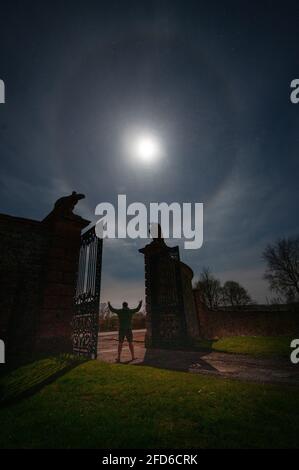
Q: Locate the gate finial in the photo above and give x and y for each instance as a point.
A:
(155, 231)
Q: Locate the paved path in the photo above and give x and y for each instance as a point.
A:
(108, 342)
(210, 363)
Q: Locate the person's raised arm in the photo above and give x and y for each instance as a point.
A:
(135, 310)
(113, 310)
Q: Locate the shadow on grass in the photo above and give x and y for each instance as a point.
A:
(32, 377)
(176, 360)
(14, 362)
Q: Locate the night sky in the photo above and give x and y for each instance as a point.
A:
(210, 79)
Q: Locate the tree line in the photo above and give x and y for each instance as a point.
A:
(282, 274)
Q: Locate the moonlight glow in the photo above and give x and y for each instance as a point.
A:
(147, 149)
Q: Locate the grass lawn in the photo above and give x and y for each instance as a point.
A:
(260, 346)
(98, 405)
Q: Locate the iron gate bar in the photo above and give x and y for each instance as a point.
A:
(87, 296)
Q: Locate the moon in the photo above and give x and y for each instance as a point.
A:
(147, 149)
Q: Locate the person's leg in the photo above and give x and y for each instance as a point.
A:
(121, 337)
(131, 346)
(120, 346)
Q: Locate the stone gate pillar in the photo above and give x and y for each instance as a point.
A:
(64, 228)
(171, 315)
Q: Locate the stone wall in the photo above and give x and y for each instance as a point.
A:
(23, 245)
(254, 321)
(188, 301)
(38, 267)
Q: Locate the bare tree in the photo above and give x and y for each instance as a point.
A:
(104, 310)
(234, 295)
(282, 271)
(210, 289)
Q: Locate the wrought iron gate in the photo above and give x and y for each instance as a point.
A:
(87, 296)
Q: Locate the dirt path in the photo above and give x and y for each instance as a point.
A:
(236, 366)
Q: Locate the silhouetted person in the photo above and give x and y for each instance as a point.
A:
(125, 315)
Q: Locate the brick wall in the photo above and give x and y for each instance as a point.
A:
(38, 265)
(254, 321)
(23, 245)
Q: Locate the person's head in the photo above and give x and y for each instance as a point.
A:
(125, 304)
